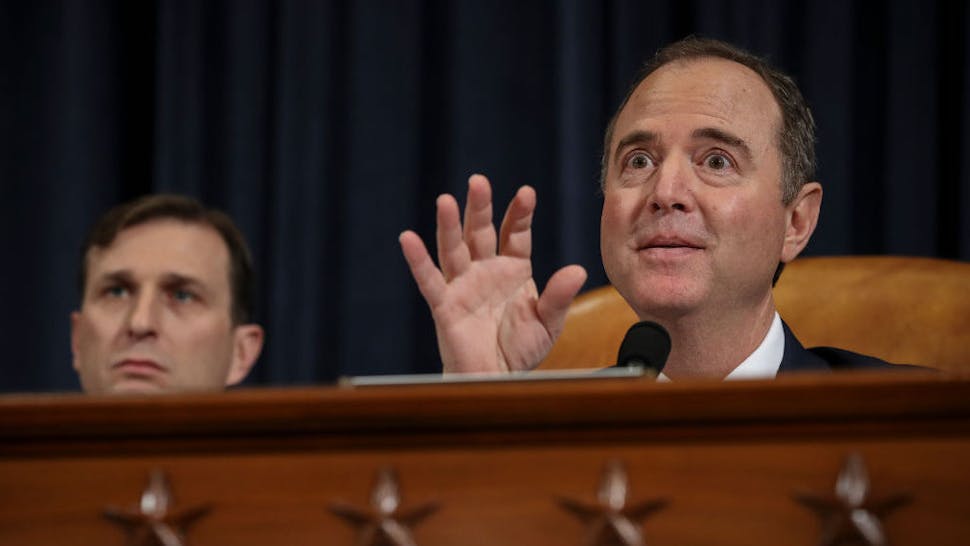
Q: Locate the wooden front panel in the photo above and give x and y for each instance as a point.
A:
(728, 469)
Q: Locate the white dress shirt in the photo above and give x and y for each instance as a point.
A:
(764, 362)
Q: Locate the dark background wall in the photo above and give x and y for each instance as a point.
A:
(326, 128)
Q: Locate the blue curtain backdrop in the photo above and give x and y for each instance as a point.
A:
(326, 128)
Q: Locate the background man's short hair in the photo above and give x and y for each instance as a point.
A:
(796, 136)
(186, 209)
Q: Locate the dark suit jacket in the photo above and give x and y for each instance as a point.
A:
(825, 359)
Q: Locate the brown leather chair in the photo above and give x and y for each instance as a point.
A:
(901, 309)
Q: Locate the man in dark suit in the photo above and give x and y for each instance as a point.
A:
(708, 189)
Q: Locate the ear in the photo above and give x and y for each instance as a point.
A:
(801, 218)
(75, 319)
(247, 344)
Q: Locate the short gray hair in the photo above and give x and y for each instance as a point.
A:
(796, 136)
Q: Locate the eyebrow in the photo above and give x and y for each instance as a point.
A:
(120, 275)
(719, 135)
(710, 133)
(168, 279)
(636, 137)
(96, 284)
(176, 280)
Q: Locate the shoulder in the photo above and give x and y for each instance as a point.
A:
(798, 358)
(840, 359)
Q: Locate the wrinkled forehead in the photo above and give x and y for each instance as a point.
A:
(704, 91)
(165, 246)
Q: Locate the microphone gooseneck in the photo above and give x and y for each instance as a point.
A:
(647, 345)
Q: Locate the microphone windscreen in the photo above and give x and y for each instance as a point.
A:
(646, 344)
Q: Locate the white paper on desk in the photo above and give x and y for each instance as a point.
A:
(535, 375)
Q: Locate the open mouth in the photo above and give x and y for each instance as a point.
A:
(669, 247)
(670, 243)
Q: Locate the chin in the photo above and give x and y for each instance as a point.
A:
(654, 298)
(137, 386)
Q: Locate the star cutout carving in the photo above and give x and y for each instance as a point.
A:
(610, 521)
(385, 523)
(153, 522)
(851, 517)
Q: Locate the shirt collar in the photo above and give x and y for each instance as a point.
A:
(764, 362)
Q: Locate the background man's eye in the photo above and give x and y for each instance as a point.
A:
(183, 295)
(116, 291)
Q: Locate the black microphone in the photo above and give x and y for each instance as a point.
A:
(647, 345)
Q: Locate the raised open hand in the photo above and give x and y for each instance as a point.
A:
(488, 314)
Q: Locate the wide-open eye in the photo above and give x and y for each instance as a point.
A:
(640, 160)
(718, 162)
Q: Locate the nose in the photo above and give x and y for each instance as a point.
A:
(143, 315)
(673, 188)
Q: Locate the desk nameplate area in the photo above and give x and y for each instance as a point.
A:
(604, 461)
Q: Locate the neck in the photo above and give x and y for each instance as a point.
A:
(710, 344)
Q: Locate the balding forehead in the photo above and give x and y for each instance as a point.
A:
(729, 82)
(718, 88)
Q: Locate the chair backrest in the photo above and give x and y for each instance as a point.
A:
(901, 309)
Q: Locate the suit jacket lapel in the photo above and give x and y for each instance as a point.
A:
(797, 358)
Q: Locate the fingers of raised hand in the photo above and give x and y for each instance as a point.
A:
(453, 253)
(430, 281)
(479, 230)
(556, 297)
(516, 233)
